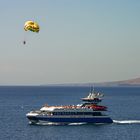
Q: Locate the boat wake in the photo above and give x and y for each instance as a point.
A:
(54, 124)
(47, 123)
(126, 121)
(77, 123)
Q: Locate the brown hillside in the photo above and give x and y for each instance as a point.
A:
(135, 81)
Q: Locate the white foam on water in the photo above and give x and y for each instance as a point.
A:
(77, 123)
(48, 123)
(126, 121)
(114, 121)
(51, 123)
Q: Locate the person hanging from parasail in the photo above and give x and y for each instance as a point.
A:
(31, 26)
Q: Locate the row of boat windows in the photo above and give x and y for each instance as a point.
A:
(76, 113)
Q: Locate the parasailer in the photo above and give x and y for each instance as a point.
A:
(31, 26)
(24, 42)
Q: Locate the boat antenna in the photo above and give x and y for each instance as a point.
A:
(92, 89)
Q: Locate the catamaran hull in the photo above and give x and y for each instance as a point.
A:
(96, 120)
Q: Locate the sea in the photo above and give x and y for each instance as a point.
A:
(16, 101)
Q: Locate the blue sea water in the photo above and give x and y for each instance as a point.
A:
(123, 107)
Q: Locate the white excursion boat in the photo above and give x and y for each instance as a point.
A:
(88, 112)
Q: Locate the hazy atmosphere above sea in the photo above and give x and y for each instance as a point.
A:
(80, 41)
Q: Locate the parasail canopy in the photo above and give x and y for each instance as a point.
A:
(31, 26)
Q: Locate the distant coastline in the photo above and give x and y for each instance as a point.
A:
(125, 83)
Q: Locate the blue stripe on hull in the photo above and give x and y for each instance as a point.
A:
(73, 120)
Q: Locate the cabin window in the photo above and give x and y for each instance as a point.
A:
(76, 113)
(97, 114)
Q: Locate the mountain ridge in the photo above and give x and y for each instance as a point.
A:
(129, 82)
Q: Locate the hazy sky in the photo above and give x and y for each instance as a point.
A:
(79, 41)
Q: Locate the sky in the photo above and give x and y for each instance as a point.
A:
(80, 41)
